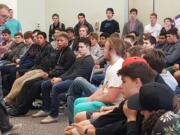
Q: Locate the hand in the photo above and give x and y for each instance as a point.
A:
(175, 67)
(130, 114)
(45, 76)
(90, 99)
(79, 128)
(97, 66)
(107, 108)
(67, 131)
(17, 60)
(56, 80)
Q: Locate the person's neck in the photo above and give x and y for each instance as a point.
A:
(133, 20)
(153, 24)
(42, 45)
(109, 19)
(88, 53)
(113, 59)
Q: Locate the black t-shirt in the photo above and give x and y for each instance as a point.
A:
(110, 26)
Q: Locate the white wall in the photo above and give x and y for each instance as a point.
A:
(31, 13)
(94, 10)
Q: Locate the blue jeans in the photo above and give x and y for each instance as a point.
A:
(51, 104)
(79, 88)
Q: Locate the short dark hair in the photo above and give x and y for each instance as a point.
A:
(71, 29)
(93, 35)
(168, 18)
(134, 10)
(138, 70)
(135, 51)
(36, 31)
(6, 31)
(43, 34)
(86, 41)
(81, 14)
(110, 9)
(55, 14)
(18, 34)
(151, 39)
(153, 14)
(155, 58)
(62, 34)
(28, 34)
(173, 31)
(105, 34)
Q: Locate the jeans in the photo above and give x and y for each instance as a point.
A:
(51, 104)
(79, 88)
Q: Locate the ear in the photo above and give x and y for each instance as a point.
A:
(138, 82)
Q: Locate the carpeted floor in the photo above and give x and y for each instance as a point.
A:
(32, 126)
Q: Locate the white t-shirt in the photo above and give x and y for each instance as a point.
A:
(154, 30)
(111, 77)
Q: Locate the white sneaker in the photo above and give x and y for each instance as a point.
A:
(40, 113)
(15, 130)
(49, 119)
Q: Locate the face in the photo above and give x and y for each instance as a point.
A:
(61, 42)
(147, 44)
(109, 14)
(34, 35)
(6, 36)
(107, 51)
(167, 23)
(93, 41)
(18, 39)
(11, 13)
(129, 86)
(81, 19)
(40, 40)
(55, 19)
(83, 49)
(133, 15)
(4, 15)
(161, 40)
(28, 41)
(70, 34)
(153, 20)
(102, 41)
(82, 32)
(170, 38)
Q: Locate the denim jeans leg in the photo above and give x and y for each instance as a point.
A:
(56, 90)
(45, 89)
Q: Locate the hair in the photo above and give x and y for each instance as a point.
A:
(115, 34)
(135, 51)
(153, 14)
(134, 10)
(84, 26)
(104, 34)
(36, 31)
(127, 45)
(62, 34)
(10, 10)
(18, 34)
(151, 39)
(110, 9)
(59, 29)
(42, 34)
(28, 34)
(93, 35)
(168, 18)
(155, 58)
(138, 70)
(55, 14)
(86, 41)
(81, 14)
(131, 37)
(118, 45)
(6, 31)
(71, 29)
(4, 6)
(134, 33)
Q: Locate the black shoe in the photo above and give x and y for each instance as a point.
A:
(15, 113)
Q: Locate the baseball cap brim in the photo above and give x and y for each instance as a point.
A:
(134, 103)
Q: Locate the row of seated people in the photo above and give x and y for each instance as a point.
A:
(25, 88)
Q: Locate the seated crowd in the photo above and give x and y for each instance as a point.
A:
(109, 84)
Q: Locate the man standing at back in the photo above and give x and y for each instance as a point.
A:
(134, 25)
(13, 24)
(82, 21)
(56, 24)
(109, 25)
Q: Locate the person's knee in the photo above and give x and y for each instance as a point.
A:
(80, 117)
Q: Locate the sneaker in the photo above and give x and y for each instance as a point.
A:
(49, 119)
(14, 130)
(40, 113)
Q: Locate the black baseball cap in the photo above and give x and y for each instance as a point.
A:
(151, 97)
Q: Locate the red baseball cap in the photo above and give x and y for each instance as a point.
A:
(131, 60)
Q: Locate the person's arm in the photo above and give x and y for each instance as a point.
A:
(117, 28)
(50, 34)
